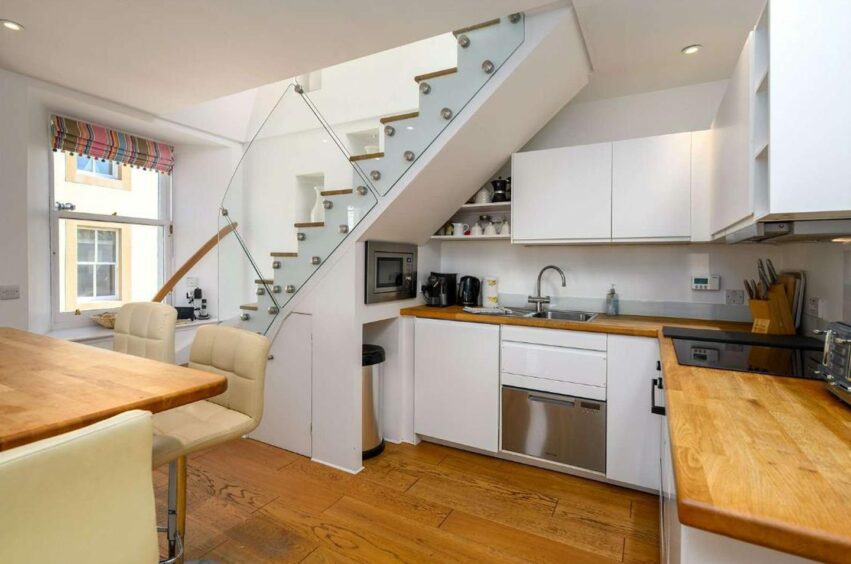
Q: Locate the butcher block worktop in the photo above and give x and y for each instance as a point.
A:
(763, 459)
(759, 458)
(638, 326)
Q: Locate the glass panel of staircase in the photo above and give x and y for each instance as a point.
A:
(293, 198)
(443, 94)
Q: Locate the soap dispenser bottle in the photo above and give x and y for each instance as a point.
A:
(612, 302)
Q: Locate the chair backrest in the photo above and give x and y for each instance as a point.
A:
(146, 329)
(84, 496)
(238, 355)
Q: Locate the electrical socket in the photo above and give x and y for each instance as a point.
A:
(734, 297)
(10, 292)
(813, 306)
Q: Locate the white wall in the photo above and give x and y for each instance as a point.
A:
(13, 197)
(688, 108)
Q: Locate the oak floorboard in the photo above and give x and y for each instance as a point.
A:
(440, 545)
(250, 502)
(524, 545)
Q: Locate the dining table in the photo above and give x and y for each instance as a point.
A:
(50, 386)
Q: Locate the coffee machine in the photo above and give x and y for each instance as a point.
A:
(440, 289)
(198, 302)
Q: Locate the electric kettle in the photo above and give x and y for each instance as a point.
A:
(468, 291)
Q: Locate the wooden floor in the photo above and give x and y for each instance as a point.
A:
(249, 502)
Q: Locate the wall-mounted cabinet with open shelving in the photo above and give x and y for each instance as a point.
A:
(470, 213)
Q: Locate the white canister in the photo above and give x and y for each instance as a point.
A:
(491, 293)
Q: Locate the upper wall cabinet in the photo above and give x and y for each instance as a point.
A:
(651, 188)
(783, 129)
(731, 196)
(562, 195)
(627, 191)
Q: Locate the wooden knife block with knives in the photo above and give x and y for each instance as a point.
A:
(771, 301)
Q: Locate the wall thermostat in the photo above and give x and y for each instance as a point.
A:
(711, 282)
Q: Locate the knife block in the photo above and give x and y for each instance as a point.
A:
(774, 315)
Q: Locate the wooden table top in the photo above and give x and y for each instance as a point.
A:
(636, 325)
(49, 386)
(759, 458)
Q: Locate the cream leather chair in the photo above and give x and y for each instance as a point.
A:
(146, 329)
(84, 496)
(238, 355)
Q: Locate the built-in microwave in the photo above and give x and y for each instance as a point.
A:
(391, 271)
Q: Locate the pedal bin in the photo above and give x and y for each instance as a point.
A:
(373, 436)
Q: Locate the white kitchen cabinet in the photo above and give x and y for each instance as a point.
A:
(651, 188)
(731, 197)
(562, 194)
(701, 188)
(632, 432)
(456, 382)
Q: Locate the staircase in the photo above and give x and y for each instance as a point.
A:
(444, 94)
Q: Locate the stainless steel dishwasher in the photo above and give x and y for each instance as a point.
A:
(554, 427)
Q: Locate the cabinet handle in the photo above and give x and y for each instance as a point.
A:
(563, 403)
(657, 409)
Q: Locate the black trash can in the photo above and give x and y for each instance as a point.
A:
(373, 436)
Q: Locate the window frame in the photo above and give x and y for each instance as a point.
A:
(78, 318)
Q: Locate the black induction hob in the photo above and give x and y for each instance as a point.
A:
(775, 355)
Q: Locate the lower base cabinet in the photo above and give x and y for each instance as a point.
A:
(632, 430)
(456, 382)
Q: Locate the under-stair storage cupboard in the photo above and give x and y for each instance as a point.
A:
(456, 382)
(634, 190)
(783, 129)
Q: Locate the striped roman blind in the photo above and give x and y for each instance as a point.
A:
(81, 138)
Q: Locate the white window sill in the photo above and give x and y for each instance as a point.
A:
(95, 332)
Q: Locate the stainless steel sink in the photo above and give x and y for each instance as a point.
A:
(580, 316)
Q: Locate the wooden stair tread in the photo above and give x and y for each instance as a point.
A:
(399, 117)
(468, 29)
(366, 157)
(435, 74)
(249, 307)
(284, 254)
(339, 192)
(264, 281)
(310, 224)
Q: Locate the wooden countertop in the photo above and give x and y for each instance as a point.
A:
(49, 386)
(762, 459)
(639, 326)
(759, 458)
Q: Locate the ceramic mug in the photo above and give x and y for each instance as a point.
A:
(458, 229)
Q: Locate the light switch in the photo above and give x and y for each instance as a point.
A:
(10, 292)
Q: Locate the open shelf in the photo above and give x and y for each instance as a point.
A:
(490, 207)
(471, 238)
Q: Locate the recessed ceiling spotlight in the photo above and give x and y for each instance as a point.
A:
(410, 127)
(691, 49)
(9, 24)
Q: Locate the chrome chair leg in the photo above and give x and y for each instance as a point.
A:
(176, 525)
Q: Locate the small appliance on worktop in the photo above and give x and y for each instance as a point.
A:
(836, 360)
(440, 289)
(391, 272)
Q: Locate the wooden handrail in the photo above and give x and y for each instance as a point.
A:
(192, 261)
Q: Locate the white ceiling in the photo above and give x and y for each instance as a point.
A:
(635, 45)
(163, 55)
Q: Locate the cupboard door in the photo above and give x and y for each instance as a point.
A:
(456, 382)
(731, 195)
(562, 194)
(651, 187)
(632, 431)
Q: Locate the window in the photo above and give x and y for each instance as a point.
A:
(95, 172)
(110, 242)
